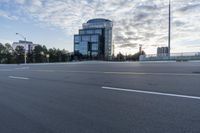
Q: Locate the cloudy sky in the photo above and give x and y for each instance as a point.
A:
(53, 22)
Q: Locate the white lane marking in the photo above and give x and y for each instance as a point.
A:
(22, 68)
(63, 71)
(140, 73)
(5, 70)
(152, 93)
(51, 71)
(23, 78)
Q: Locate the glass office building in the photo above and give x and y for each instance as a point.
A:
(95, 39)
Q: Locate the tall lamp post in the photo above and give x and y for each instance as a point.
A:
(140, 48)
(169, 30)
(24, 46)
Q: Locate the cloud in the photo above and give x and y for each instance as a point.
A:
(7, 15)
(135, 21)
(20, 1)
(130, 45)
(189, 7)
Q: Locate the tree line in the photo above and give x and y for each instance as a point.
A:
(134, 57)
(118, 57)
(40, 54)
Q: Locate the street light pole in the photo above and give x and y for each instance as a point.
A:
(140, 48)
(169, 30)
(24, 46)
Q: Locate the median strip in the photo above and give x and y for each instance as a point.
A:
(152, 93)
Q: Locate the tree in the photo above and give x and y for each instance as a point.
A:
(59, 55)
(2, 53)
(52, 55)
(65, 55)
(39, 54)
(9, 54)
(136, 56)
(120, 57)
(19, 54)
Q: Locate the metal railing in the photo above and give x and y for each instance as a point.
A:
(186, 56)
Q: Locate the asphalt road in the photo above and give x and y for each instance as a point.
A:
(100, 97)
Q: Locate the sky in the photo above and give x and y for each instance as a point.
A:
(54, 22)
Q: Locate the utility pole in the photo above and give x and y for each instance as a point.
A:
(169, 30)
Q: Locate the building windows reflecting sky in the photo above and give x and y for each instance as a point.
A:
(95, 38)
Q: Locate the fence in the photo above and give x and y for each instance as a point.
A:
(186, 56)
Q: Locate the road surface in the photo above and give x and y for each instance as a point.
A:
(100, 97)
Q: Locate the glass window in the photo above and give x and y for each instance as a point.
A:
(83, 48)
(89, 32)
(94, 53)
(81, 32)
(95, 46)
(98, 31)
(77, 39)
(86, 38)
(76, 47)
(94, 38)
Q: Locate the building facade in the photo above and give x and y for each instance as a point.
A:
(30, 46)
(162, 51)
(95, 39)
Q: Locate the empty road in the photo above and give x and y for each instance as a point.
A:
(100, 97)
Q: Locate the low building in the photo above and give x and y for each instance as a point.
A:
(30, 46)
(162, 51)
